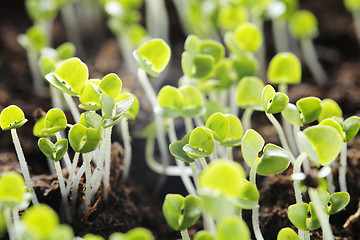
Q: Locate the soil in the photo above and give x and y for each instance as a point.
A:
(134, 203)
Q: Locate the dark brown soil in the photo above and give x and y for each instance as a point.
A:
(133, 203)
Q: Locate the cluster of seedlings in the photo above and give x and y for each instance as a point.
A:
(222, 60)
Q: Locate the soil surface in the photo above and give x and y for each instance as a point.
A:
(134, 203)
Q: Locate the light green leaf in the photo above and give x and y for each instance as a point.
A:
(287, 234)
(330, 109)
(55, 121)
(212, 48)
(248, 37)
(193, 101)
(133, 111)
(338, 201)
(284, 68)
(292, 115)
(249, 91)
(201, 142)
(139, 233)
(176, 149)
(297, 214)
(12, 117)
(303, 24)
(310, 108)
(12, 189)
(251, 145)
(235, 133)
(84, 139)
(170, 102)
(273, 161)
(232, 228)
(352, 126)
(219, 124)
(111, 85)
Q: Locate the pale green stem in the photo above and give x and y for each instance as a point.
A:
(185, 234)
(356, 16)
(223, 97)
(66, 156)
(246, 118)
(56, 98)
(72, 173)
(127, 53)
(157, 21)
(280, 35)
(189, 126)
(127, 147)
(322, 216)
(330, 181)
(63, 192)
(76, 182)
(234, 109)
(73, 108)
(312, 61)
(38, 82)
(203, 163)
(9, 224)
(23, 165)
(88, 181)
(198, 121)
(51, 166)
(159, 168)
(181, 7)
(281, 134)
(261, 53)
(297, 169)
(195, 174)
(255, 211)
(229, 151)
(305, 164)
(107, 163)
(342, 169)
(185, 178)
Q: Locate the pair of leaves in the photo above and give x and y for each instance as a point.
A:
(138, 233)
(272, 101)
(83, 139)
(53, 151)
(284, 68)
(331, 204)
(53, 122)
(181, 213)
(248, 93)
(12, 189)
(12, 117)
(114, 110)
(274, 159)
(227, 129)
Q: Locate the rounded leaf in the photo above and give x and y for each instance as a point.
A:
(245, 66)
(218, 176)
(212, 48)
(111, 85)
(203, 235)
(331, 122)
(287, 234)
(197, 65)
(133, 111)
(170, 102)
(12, 117)
(352, 5)
(55, 121)
(83, 139)
(201, 143)
(329, 109)
(248, 37)
(352, 126)
(39, 127)
(230, 16)
(249, 91)
(233, 228)
(219, 124)
(248, 191)
(302, 24)
(73, 73)
(310, 108)
(62, 232)
(292, 115)
(338, 201)
(153, 56)
(65, 51)
(89, 97)
(298, 214)
(251, 145)
(40, 221)
(193, 101)
(139, 233)
(176, 149)
(235, 133)
(273, 161)
(12, 189)
(284, 68)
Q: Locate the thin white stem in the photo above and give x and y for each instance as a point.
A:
(330, 181)
(107, 163)
(280, 35)
(261, 53)
(186, 179)
(246, 118)
(75, 188)
(38, 82)
(305, 164)
(312, 61)
(195, 174)
(229, 151)
(281, 134)
(255, 211)
(88, 181)
(297, 169)
(157, 21)
(342, 169)
(234, 109)
(189, 126)
(56, 98)
(72, 173)
(127, 53)
(159, 168)
(23, 165)
(73, 108)
(66, 156)
(51, 166)
(356, 16)
(147, 87)
(127, 147)
(198, 121)
(63, 192)
(185, 234)
(203, 163)
(9, 224)
(323, 218)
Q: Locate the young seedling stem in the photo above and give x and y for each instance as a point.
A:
(246, 118)
(342, 169)
(185, 234)
(23, 165)
(281, 36)
(38, 82)
(297, 170)
(87, 160)
(127, 147)
(107, 163)
(56, 98)
(73, 108)
(9, 223)
(66, 156)
(323, 218)
(255, 211)
(157, 21)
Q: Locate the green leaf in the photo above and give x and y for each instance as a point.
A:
(181, 213)
(216, 204)
(303, 24)
(107, 105)
(53, 151)
(133, 111)
(201, 142)
(273, 161)
(40, 221)
(266, 96)
(89, 97)
(313, 221)
(203, 235)
(235, 132)
(284, 68)
(55, 121)
(326, 141)
(248, 37)
(92, 120)
(230, 16)
(219, 124)
(192, 44)
(34, 39)
(297, 214)
(249, 91)
(193, 101)
(246, 66)
(251, 145)
(170, 102)
(248, 191)
(62, 232)
(352, 5)
(212, 48)
(218, 176)
(287, 234)
(111, 85)
(73, 73)
(331, 122)
(292, 115)
(119, 110)
(60, 85)
(329, 109)
(232, 228)
(46, 65)
(153, 56)
(90, 236)
(338, 201)
(176, 149)
(12, 189)
(39, 127)
(197, 65)
(225, 73)
(65, 51)
(278, 103)
(83, 139)
(12, 117)
(139, 233)
(352, 126)
(310, 108)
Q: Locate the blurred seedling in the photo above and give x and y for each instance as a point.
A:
(353, 6)
(13, 117)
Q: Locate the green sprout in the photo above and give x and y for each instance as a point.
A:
(137, 233)
(233, 228)
(287, 234)
(303, 26)
(181, 213)
(353, 6)
(13, 117)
